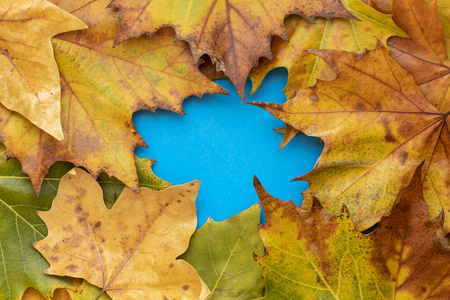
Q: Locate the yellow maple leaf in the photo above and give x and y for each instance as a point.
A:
(28, 71)
(377, 127)
(130, 250)
(234, 33)
(102, 87)
(338, 34)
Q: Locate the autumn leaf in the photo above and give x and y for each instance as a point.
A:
(443, 9)
(222, 254)
(339, 34)
(233, 33)
(424, 55)
(30, 80)
(20, 265)
(377, 127)
(314, 255)
(129, 250)
(444, 14)
(289, 133)
(101, 88)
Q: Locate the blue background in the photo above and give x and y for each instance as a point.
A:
(223, 142)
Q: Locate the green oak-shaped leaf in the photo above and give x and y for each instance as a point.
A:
(222, 254)
(20, 264)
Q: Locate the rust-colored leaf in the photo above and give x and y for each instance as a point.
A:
(424, 55)
(444, 14)
(101, 88)
(234, 33)
(130, 250)
(28, 71)
(314, 255)
(377, 127)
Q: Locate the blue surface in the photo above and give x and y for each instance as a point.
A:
(223, 142)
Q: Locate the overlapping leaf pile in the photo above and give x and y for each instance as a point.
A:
(370, 78)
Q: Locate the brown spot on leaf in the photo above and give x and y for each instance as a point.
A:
(72, 268)
(185, 287)
(403, 157)
(388, 137)
(98, 225)
(78, 208)
(68, 228)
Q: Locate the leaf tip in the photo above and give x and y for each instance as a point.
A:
(72, 172)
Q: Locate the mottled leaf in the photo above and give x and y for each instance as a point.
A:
(340, 34)
(28, 71)
(377, 127)
(314, 255)
(234, 33)
(129, 250)
(222, 254)
(102, 87)
(424, 55)
(20, 265)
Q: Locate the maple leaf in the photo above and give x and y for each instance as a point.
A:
(30, 80)
(377, 127)
(233, 33)
(222, 254)
(130, 250)
(21, 266)
(424, 55)
(101, 88)
(314, 255)
(443, 9)
(339, 34)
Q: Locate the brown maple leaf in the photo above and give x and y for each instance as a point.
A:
(235, 34)
(312, 254)
(424, 55)
(101, 88)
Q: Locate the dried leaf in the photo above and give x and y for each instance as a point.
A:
(314, 255)
(129, 251)
(21, 266)
(339, 34)
(443, 9)
(233, 33)
(444, 14)
(289, 133)
(30, 80)
(222, 254)
(101, 88)
(377, 127)
(424, 55)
